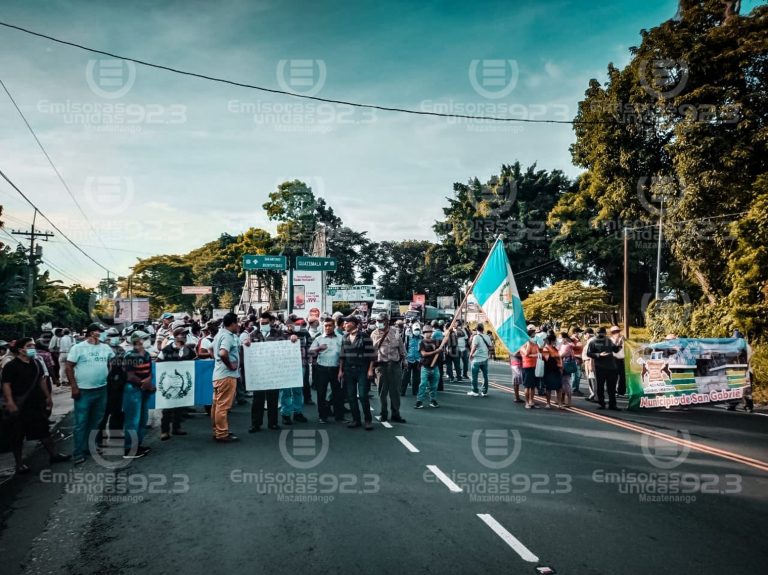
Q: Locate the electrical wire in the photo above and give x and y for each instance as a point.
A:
(50, 161)
(55, 227)
(293, 94)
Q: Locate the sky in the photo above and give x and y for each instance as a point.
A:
(162, 163)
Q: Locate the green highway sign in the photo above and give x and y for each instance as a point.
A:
(251, 262)
(314, 263)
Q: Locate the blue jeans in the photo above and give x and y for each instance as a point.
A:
(429, 377)
(357, 387)
(136, 413)
(89, 409)
(291, 401)
(478, 366)
(576, 378)
(465, 363)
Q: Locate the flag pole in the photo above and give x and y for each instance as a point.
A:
(466, 298)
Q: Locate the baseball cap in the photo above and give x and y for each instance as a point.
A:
(427, 328)
(353, 318)
(531, 327)
(615, 328)
(94, 327)
(138, 336)
(167, 315)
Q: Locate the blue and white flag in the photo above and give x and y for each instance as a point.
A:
(497, 294)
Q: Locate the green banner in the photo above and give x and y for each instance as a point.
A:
(685, 372)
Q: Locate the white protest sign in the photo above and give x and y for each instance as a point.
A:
(175, 382)
(272, 365)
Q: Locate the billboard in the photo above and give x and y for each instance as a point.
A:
(134, 309)
(685, 372)
(446, 302)
(307, 293)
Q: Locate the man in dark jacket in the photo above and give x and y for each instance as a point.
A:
(265, 331)
(356, 370)
(601, 349)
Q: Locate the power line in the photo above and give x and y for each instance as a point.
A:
(50, 161)
(293, 94)
(55, 227)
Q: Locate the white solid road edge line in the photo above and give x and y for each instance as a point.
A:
(408, 445)
(508, 538)
(445, 479)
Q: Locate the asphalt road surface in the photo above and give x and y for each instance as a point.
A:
(478, 485)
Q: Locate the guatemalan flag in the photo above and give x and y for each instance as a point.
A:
(497, 294)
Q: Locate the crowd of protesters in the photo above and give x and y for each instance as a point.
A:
(109, 373)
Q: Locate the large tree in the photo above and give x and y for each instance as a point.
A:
(516, 204)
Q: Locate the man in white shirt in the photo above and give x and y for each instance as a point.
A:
(478, 355)
(618, 339)
(327, 348)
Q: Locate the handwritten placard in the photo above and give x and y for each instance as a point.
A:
(272, 365)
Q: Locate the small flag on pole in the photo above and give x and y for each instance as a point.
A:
(497, 294)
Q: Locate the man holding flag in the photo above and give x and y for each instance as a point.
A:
(495, 290)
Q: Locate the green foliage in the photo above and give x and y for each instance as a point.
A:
(668, 317)
(567, 302)
(760, 366)
(516, 204)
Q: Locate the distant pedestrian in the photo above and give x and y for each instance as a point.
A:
(588, 365)
(516, 365)
(412, 371)
(478, 355)
(27, 404)
(530, 353)
(618, 340)
(428, 348)
(553, 371)
(601, 350)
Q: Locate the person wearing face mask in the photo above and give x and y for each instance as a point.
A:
(390, 356)
(292, 399)
(267, 331)
(164, 335)
(326, 348)
(356, 371)
(113, 415)
(27, 404)
(88, 364)
(412, 371)
(177, 350)
(136, 393)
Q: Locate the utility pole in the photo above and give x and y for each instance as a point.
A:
(658, 250)
(33, 255)
(626, 283)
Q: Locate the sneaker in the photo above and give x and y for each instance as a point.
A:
(483, 394)
(419, 405)
(368, 425)
(397, 419)
(383, 417)
(78, 460)
(473, 394)
(299, 417)
(354, 424)
(433, 403)
(139, 453)
(165, 436)
(323, 420)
